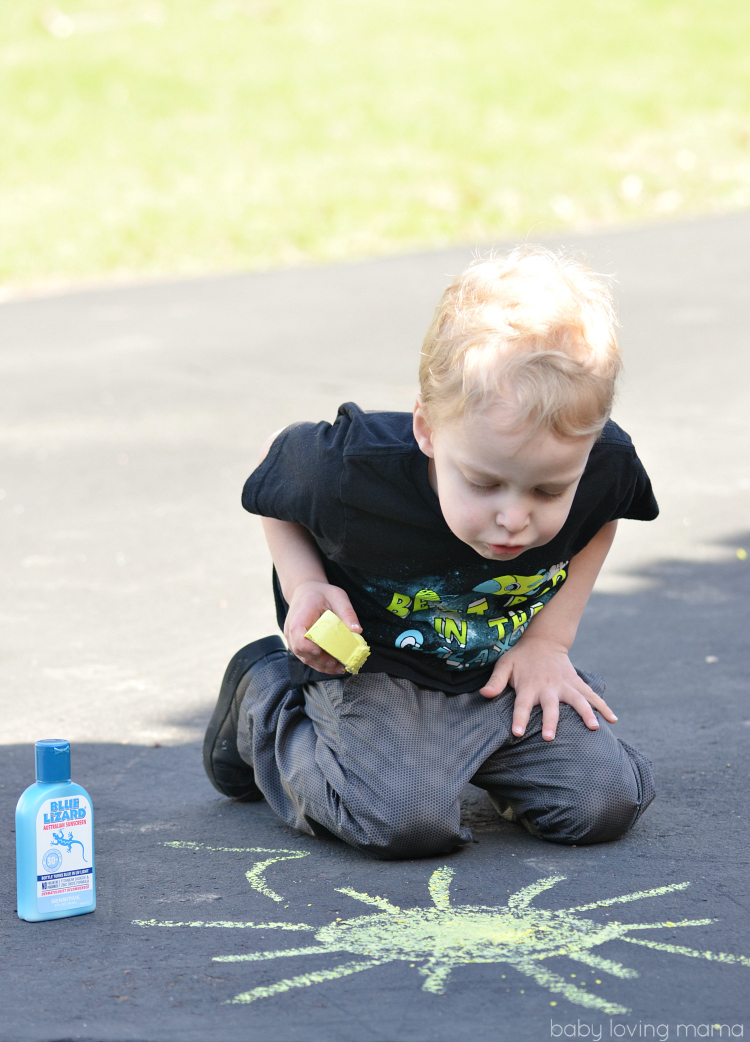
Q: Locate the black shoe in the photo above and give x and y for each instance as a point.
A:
(226, 769)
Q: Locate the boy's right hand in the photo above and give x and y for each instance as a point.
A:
(309, 600)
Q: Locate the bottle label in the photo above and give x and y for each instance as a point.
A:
(64, 854)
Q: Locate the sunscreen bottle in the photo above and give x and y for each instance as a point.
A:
(54, 840)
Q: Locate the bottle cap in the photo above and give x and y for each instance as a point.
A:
(52, 760)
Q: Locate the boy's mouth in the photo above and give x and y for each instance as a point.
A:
(506, 549)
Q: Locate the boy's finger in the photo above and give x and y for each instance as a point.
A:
(312, 655)
(602, 707)
(598, 703)
(550, 717)
(521, 714)
(497, 682)
(321, 662)
(301, 646)
(342, 606)
(582, 707)
(332, 666)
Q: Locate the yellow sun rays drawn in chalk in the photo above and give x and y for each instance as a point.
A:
(256, 876)
(444, 936)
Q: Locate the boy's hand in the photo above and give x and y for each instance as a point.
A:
(542, 674)
(309, 600)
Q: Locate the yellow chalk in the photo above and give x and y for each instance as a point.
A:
(330, 634)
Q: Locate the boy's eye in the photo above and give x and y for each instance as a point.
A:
(549, 495)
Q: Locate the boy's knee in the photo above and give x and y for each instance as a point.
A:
(411, 832)
(607, 805)
(593, 821)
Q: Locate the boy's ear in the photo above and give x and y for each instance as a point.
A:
(422, 430)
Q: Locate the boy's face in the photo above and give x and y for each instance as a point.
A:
(501, 491)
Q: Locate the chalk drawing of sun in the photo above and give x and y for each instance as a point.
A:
(438, 938)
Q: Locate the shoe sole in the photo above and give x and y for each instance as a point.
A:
(238, 666)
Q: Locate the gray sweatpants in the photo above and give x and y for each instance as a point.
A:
(380, 762)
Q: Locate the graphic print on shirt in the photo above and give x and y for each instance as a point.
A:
(471, 629)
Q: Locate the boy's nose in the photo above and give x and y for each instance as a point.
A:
(513, 518)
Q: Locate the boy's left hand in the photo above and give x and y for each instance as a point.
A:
(542, 674)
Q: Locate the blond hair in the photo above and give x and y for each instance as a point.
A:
(534, 330)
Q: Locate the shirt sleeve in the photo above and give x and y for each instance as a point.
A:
(618, 484)
(299, 481)
(614, 485)
(638, 501)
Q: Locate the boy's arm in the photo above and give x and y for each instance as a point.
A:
(306, 590)
(538, 666)
(305, 587)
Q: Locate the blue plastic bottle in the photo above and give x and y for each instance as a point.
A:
(54, 840)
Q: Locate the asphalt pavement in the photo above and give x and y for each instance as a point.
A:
(130, 574)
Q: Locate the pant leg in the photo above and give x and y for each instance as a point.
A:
(583, 787)
(381, 762)
(376, 760)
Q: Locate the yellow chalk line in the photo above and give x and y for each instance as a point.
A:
(379, 902)
(667, 924)
(255, 876)
(523, 897)
(437, 977)
(306, 979)
(257, 880)
(559, 986)
(615, 969)
(657, 892)
(580, 950)
(184, 844)
(226, 925)
(440, 891)
(278, 954)
(676, 949)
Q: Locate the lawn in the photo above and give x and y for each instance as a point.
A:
(146, 137)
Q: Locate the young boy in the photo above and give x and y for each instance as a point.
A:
(463, 542)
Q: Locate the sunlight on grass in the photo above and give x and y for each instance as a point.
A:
(175, 136)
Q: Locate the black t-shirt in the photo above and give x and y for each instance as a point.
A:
(431, 608)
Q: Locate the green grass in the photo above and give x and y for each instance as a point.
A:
(174, 136)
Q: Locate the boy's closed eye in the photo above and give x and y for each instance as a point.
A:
(550, 493)
(484, 488)
(545, 493)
